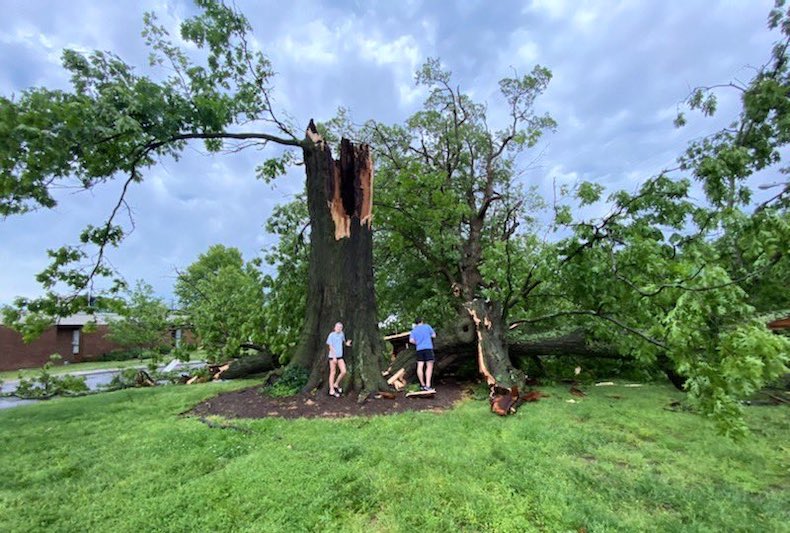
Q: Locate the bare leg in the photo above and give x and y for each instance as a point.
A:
(428, 373)
(342, 365)
(332, 370)
(420, 364)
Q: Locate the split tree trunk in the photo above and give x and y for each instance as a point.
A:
(504, 380)
(492, 357)
(340, 280)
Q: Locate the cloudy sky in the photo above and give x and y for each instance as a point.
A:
(620, 69)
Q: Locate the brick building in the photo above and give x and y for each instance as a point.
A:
(66, 338)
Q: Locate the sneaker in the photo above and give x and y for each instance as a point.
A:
(430, 389)
(339, 390)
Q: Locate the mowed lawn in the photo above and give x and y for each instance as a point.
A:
(127, 461)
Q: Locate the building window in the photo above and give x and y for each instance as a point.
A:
(75, 341)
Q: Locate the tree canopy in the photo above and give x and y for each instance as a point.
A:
(221, 298)
(142, 322)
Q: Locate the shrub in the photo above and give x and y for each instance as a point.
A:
(45, 385)
(290, 383)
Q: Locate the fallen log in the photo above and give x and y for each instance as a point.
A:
(396, 376)
(216, 371)
(248, 365)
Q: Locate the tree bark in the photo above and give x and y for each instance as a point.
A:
(668, 368)
(248, 365)
(573, 343)
(340, 280)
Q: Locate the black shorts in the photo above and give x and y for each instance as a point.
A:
(425, 356)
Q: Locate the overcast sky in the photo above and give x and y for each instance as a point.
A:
(620, 70)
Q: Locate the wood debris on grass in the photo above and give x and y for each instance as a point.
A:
(576, 391)
(421, 394)
(533, 396)
(397, 380)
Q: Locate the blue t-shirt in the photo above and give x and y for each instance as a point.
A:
(336, 340)
(423, 336)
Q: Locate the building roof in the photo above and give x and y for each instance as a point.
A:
(81, 319)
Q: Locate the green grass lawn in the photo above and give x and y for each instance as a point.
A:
(74, 367)
(126, 461)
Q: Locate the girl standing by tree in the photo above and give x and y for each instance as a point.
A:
(335, 341)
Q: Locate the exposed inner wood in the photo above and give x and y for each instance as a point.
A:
(396, 376)
(337, 210)
(480, 359)
(351, 188)
(366, 186)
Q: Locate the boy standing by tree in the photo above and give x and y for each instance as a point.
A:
(422, 337)
(335, 341)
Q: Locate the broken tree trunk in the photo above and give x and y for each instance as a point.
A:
(504, 380)
(340, 280)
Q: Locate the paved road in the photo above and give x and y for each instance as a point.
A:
(93, 378)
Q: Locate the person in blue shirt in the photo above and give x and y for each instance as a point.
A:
(335, 341)
(422, 337)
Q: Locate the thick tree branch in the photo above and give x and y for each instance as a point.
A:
(223, 135)
(596, 314)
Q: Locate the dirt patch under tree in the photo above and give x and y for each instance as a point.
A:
(251, 403)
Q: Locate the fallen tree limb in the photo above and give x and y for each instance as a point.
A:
(451, 351)
(573, 343)
(251, 364)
